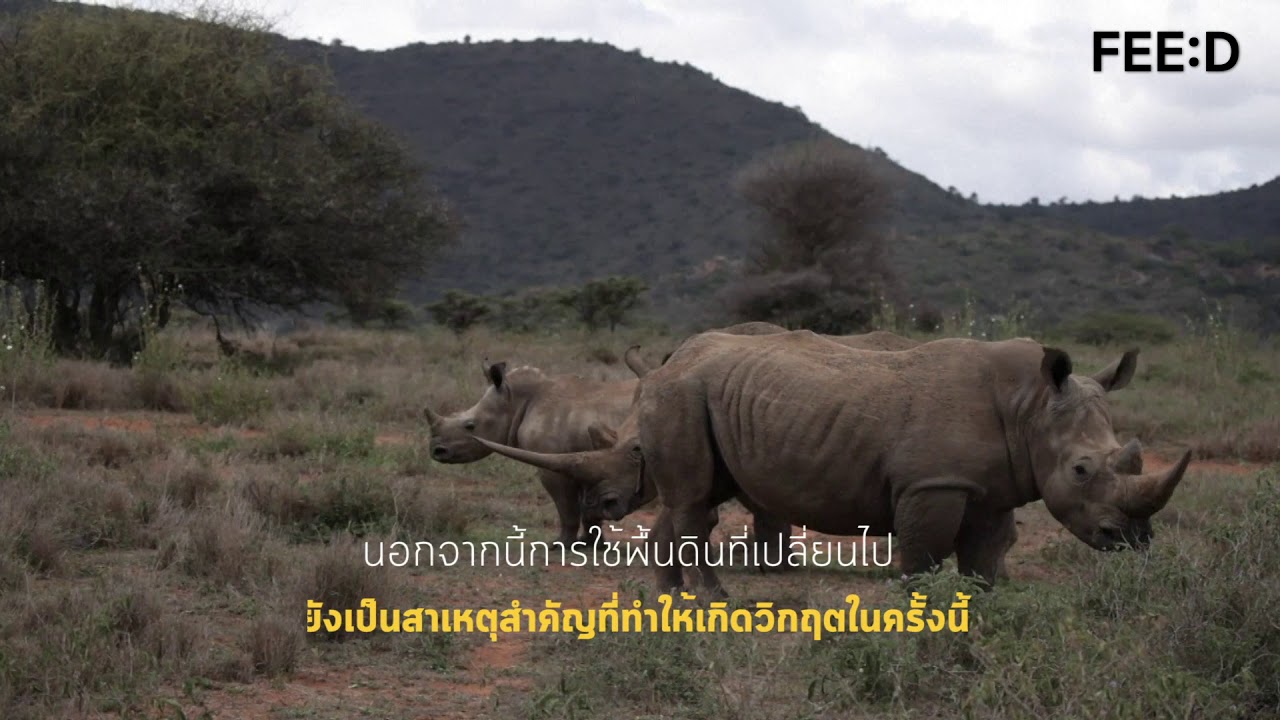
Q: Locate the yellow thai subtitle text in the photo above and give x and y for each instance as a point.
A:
(667, 618)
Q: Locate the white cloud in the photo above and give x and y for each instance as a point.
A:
(989, 96)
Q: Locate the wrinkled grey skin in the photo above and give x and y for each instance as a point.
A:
(937, 444)
(768, 530)
(874, 340)
(526, 408)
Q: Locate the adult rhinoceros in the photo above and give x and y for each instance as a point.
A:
(769, 532)
(937, 444)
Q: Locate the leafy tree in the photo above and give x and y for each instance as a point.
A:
(606, 301)
(458, 310)
(809, 298)
(819, 260)
(816, 198)
(530, 310)
(148, 160)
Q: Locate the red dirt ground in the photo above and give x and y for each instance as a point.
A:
(185, 424)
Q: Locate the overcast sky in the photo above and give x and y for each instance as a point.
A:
(997, 98)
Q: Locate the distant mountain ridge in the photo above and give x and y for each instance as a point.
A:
(575, 160)
(575, 157)
(1247, 215)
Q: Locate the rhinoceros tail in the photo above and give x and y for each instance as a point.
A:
(634, 361)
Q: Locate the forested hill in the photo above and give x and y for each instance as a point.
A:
(575, 160)
(1245, 222)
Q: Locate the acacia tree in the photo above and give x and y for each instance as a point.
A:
(819, 258)
(605, 301)
(458, 310)
(148, 160)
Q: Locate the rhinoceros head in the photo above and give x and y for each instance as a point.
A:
(1089, 482)
(453, 437)
(612, 473)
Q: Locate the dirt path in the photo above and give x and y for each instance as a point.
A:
(186, 424)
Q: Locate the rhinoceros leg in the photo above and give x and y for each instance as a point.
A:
(927, 522)
(691, 529)
(983, 543)
(564, 493)
(682, 463)
(771, 535)
(670, 577)
(592, 524)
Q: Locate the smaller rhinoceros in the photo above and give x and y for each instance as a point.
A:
(528, 408)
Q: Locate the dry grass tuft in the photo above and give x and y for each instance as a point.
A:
(339, 577)
(187, 480)
(229, 545)
(44, 547)
(103, 644)
(1253, 443)
(69, 385)
(273, 643)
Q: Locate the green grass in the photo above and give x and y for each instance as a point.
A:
(1185, 630)
(157, 571)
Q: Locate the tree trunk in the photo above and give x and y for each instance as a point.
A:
(161, 315)
(103, 307)
(65, 303)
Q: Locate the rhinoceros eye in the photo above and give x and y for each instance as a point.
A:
(469, 425)
(1081, 471)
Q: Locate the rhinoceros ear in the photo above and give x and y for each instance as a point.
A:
(496, 372)
(1056, 368)
(1119, 373)
(602, 436)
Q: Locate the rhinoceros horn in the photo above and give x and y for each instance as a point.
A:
(1144, 495)
(1128, 460)
(577, 464)
(432, 418)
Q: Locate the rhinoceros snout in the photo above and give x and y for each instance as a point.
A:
(1140, 535)
(1134, 537)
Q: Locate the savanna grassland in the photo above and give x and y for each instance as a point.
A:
(162, 526)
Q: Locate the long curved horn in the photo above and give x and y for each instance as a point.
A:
(1144, 495)
(633, 360)
(1128, 460)
(577, 464)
